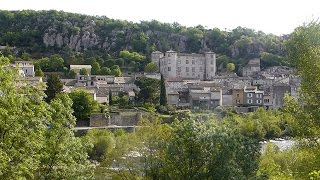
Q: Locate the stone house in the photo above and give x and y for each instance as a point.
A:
(227, 98)
(237, 96)
(252, 96)
(251, 68)
(205, 98)
(173, 65)
(26, 66)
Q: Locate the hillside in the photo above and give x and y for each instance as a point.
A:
(77, 37)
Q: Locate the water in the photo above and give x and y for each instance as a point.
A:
(282, 144)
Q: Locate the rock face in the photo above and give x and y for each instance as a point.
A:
(87, 38)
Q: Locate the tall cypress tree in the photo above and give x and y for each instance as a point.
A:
(163, 94)
(54, 87)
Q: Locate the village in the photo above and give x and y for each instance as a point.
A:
(191, 82)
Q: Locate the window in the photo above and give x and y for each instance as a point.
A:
(193, 69)
(169, 62)
(179, 61)
(211, 55)
(179, 69)
(201, 70)
(193, 74)
(169, 68)
(193, 62)
(238, 95)
(266, 100)
(187, 61)
(249, 101)
(238, 101)
(258, 101)
(169, 55)
(249, 95)
(259, 95)
(187, 69)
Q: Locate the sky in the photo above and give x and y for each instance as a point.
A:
(270, 16)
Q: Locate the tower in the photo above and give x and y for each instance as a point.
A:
(210, 58)
(155, 58)
(168, 65)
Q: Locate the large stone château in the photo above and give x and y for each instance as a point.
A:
(179, 66)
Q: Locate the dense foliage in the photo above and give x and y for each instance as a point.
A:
(184, 150)
(83, 104)
(78, 38)
(37, 140)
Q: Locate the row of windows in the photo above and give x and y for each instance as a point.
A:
(169, 55)
(187, 62)
(257, 95)
(193, 69)
(250, 101)
(193, 75)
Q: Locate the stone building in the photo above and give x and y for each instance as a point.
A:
(181, 66)
(26, 66)
(251, 68)
(252, 96)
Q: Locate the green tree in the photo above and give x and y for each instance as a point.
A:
(123, 101)
(103, 141)
(65, 155)
(22, 115)
(303, 48)
(105, 71)
(83, 104)
(140, 42)
(149, 90)
(55, 63)
(231, 67)
(116, 71)
(95, 68)
(163, 93)
(39, 73)
(151, 68)
(83, 71)
(37, 140)
(72, 74)
(54, 87)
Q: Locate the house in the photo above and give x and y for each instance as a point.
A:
(205, 98)
(173, 98)
(26, 66)
(252, 96)
(227, 98)
(102, 95)
(237, 96)
(251, 68)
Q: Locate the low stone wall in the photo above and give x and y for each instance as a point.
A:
(115, 119)
(99, 119)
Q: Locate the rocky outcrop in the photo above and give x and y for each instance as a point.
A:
(87, 38)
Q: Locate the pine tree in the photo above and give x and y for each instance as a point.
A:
(54, 87)
(163, 94)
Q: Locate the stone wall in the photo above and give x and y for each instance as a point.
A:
(115, 119)
(99, 119)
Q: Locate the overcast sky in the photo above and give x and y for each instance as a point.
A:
(271, 16)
